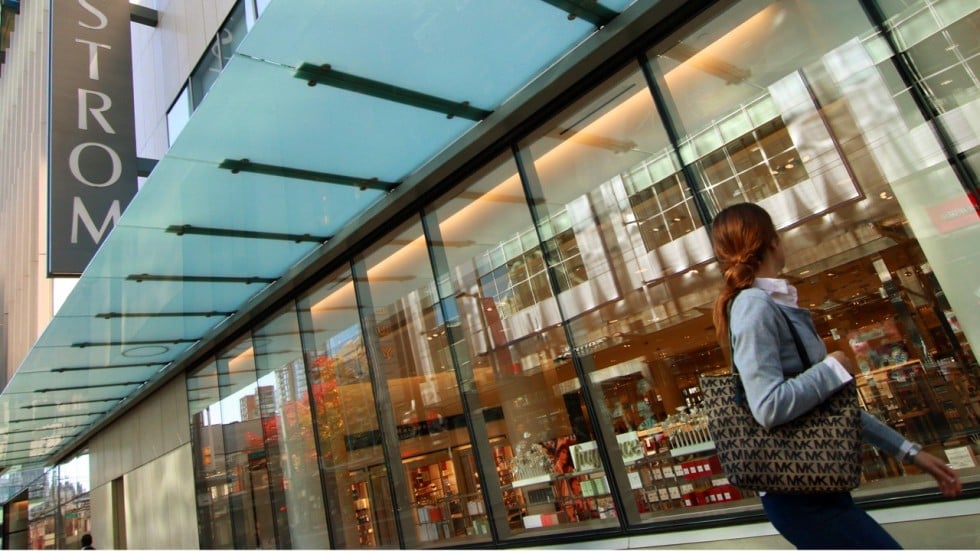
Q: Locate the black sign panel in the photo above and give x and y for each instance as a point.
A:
(92, 158)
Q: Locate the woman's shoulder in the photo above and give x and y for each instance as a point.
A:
(752, 304)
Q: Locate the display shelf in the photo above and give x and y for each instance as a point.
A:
(700, 447)
(531, 481)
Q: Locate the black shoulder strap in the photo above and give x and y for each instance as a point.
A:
(800, 349)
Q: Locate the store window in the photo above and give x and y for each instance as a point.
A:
(288, 435)
(55, 511)
(637, 217)
(74, 500)
(535, 429)
(859, 193)
(212, 486)
(238, 439)
(427, 429)
(16, 526)
(43, 511)
(355, 474)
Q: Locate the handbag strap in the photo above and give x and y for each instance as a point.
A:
(797, 341)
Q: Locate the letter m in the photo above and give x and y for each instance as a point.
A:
(79, 212)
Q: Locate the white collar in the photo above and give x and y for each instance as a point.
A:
(779, 289)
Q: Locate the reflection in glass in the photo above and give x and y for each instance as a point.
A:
(42, 509)
(361, 510)
(516, 356)
(410, 334)
(210, 475)
(205, 74)
(287, 429)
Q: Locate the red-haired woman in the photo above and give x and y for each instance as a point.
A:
(778, 388)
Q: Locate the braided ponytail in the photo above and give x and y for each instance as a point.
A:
(739, 234)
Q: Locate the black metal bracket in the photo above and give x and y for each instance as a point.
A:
(132, 343)
(326, 75)
(116, 366)
(139, 278)
(187, 229)
(246, 165)
(589, 10)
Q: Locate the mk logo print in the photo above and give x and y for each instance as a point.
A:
(817, 452)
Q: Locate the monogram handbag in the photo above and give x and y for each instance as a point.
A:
(820, 451)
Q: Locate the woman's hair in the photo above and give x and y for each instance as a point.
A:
(739, 234)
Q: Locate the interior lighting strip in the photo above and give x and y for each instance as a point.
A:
(187, 229)
(589, 10)
(328, 76)
(247, 165)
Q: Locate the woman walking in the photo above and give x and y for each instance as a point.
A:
(778, 388)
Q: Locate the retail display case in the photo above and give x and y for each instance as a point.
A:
(441, 509)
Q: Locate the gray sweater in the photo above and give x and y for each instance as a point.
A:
(764, 352)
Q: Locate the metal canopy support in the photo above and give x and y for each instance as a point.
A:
(132, 343)
(56, 417)
(187, 229)
(143, 15)
(106, 385)
(245, 165)
(72, 403)
(211, 314)
(117, 366)
(139, 278)
(589, 10)
(324, 74)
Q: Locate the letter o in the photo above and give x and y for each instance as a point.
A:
(76, 171)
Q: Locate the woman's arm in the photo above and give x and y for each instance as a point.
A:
(891, 442)
(756, 346)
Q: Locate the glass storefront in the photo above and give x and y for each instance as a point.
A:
(521, 359)
(55, 510)
(255, 460)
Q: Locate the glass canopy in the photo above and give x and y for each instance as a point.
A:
(323, 111)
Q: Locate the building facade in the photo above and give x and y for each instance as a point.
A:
(502, 346)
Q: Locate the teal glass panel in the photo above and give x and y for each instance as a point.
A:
(269, 116)
(481, 52)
